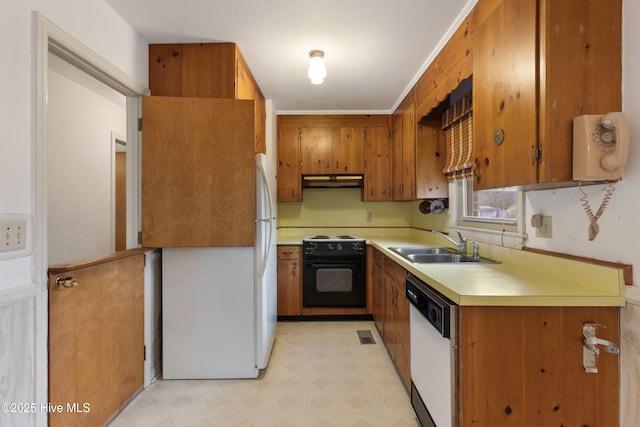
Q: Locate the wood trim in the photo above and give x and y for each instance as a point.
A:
(333, 120)
(627, 269)
(90, 262)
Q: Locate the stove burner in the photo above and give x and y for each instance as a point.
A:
(345, 237)
(321, 236)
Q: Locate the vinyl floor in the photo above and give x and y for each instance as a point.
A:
(319, 375)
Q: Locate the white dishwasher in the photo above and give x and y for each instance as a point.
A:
(434, 355)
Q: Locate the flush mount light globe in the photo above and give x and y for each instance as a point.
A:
(317, 71)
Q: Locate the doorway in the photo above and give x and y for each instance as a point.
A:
(86, 165)
(52, 40)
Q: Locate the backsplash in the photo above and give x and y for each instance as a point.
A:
(343, 207)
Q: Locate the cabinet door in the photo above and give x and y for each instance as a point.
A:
(316, 145)
(289, 183)
(409, 151)
(526, 368)
(592, 52)
(206, 70)
(198, 189)
(377, 177)
(379, 297)
(504, 93)
(403, 352)
(390, 309)
(348, 151)
(289, 281)
(396, 156)
(431, 181)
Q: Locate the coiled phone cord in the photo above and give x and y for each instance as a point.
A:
(594, 228)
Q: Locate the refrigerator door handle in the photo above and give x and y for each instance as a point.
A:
(269, 219)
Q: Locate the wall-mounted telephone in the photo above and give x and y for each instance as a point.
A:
(600, 147)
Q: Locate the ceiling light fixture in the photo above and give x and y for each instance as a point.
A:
(317, 71)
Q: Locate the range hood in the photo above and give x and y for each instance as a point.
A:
(332, 181)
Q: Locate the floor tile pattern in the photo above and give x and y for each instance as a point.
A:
(319, 375)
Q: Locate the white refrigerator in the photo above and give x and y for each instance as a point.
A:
(219, 304)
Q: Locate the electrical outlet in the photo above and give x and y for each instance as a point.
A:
(545, 229)
(13, 234)
(369, 216)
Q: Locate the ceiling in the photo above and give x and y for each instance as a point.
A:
(374, 49)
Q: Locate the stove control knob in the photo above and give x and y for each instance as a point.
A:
(339, 247)
(330, 246)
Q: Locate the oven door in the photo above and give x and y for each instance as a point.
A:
(333, 283)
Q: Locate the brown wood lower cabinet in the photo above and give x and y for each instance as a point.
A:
(518, 366)
(289, 281)
(391, 311)
(522, 366)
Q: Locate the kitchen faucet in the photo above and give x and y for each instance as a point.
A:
(462, 245)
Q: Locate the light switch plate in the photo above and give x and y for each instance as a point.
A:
(14, 236)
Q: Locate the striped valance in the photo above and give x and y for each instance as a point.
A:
(457, 124)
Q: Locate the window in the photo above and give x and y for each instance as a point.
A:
(492, 216)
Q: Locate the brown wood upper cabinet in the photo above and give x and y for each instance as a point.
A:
(289, 176)
(333, 144)
(206, 70)
(188, 167)
(403, 150)
(377, 183)
(332, 150)
(536, 65)
(452, 65)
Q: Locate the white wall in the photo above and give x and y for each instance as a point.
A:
(82, 113)
(94, 24)
(23, 296)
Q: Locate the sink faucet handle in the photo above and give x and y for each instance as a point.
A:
(463, 242)
(476, 249)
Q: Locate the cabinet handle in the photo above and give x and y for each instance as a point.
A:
(293, 270)
(590, 350)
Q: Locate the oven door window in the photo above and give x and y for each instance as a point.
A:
(334, 280)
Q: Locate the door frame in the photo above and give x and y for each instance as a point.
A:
(49, 38)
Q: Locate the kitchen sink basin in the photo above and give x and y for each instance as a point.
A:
(429, 255)
(408, 251)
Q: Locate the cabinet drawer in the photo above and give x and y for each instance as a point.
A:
(288, 252)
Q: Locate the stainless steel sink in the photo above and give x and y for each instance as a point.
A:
(429, 255)
(421, 251)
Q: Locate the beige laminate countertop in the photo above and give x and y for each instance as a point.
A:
(520, 279)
